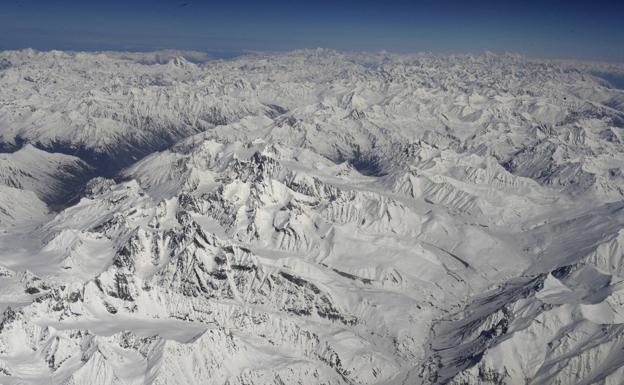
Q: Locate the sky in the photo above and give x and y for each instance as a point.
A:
(588, 30)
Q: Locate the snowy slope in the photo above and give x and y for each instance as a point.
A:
(19, 206)
(311, 217)
(53, 177)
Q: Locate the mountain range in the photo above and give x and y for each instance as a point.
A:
(310, 217)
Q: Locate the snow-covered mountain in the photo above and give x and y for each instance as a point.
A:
(53, 177)
(312, 217)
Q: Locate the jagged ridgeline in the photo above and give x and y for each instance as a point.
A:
(311, 217)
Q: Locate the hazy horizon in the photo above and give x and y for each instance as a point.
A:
(230, 55)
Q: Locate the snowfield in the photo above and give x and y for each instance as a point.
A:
(312, 217)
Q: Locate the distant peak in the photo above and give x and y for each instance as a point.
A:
(181, 62)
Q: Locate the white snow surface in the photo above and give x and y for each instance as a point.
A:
(312, 217)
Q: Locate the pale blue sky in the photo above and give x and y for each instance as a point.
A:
(567, 29)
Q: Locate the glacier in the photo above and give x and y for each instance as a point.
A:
(310, 217)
